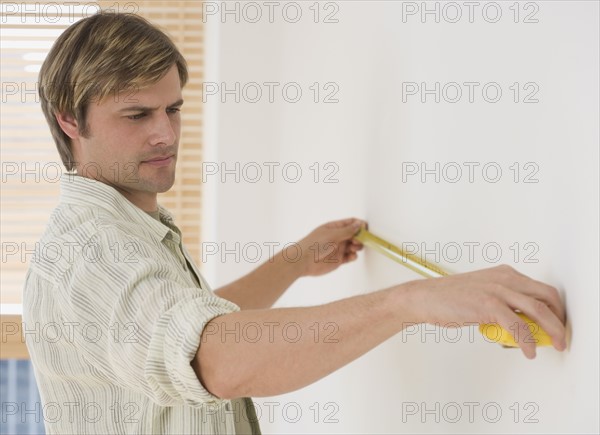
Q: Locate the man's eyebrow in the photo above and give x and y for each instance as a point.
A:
(177, 103)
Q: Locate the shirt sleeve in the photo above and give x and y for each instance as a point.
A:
(141, 321)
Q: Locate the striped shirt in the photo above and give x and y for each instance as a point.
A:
(113, 311)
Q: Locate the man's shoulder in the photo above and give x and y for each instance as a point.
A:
(85, 223)
(75, 233)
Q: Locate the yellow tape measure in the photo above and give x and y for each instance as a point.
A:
(491, 331)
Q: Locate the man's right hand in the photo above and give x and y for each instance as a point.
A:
(491, 296)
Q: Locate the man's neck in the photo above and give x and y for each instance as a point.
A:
(146, 201)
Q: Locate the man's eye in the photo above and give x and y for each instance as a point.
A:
(137, 116)
(174, 110)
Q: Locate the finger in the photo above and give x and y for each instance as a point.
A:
(508, 320)
(552, 298)
(349, 231)
(539, 312)
(341, 223)
(538, 290)
(350, 251)
(350, 257)
(355, 247)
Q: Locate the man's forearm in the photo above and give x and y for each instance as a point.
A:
(275, 351)
(263, 286)
(268, 352)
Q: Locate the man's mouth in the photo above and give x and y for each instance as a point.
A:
(160, 161)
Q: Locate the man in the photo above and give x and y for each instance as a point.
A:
(142, 348)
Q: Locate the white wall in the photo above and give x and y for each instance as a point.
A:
(418, 383)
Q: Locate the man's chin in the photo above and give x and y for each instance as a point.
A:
(163, 186)
(152, 185)
(165, 189)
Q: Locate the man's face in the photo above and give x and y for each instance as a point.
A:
(133, 140)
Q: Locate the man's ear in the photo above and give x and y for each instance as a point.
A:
(68, 124)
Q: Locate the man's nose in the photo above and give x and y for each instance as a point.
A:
(163, 130)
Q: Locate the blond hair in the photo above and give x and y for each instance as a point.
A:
(105, 53)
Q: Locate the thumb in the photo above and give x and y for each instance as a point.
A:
(350, 230)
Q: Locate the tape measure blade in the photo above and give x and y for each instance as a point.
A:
(394, 253)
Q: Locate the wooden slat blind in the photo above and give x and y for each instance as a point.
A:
(31, 166)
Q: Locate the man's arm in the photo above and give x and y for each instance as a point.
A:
(263, 286)
(269, 352)
(322, 251)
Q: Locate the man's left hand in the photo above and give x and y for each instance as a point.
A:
(330, 245)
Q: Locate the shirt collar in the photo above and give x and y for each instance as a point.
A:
(78, 190)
